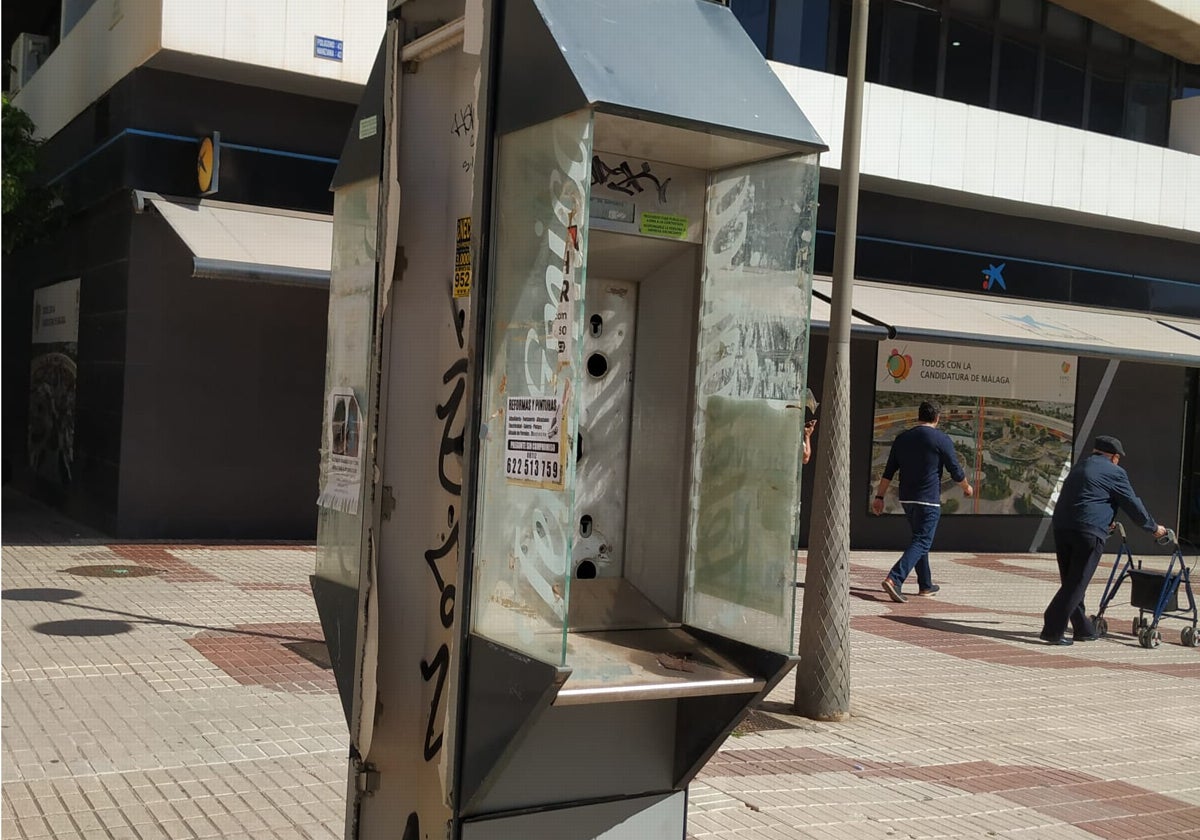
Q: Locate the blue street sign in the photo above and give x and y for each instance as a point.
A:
(330, 48)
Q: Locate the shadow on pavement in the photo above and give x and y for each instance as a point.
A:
(94, 627)
(967, 628)
(83, 627)
(40, 594)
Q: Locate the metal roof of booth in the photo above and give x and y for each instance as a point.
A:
(685, 63)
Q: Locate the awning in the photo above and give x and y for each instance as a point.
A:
(244, 242)
(992, 321)
(820, 312)
(1191, 328)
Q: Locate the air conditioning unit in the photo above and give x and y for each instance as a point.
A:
(28, 54)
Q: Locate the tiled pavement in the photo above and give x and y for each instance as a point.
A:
(179, 704)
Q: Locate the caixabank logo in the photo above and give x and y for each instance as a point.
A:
(993, 278)
(898, 366)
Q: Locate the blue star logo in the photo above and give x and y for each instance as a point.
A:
(994, 276)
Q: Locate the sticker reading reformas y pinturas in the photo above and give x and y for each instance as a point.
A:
(534, 441)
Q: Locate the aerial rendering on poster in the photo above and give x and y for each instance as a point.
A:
(1009, 413)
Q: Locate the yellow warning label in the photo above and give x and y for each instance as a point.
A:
(663, 224)
(462, 258)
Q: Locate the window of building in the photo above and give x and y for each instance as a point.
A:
(1106, 101)
(1021, 14)
(1016, 88)
(755, 18)
(968, 63)
(911, 48)
(1032, 58)
(874, 40)
(1189, 76)
(1062, 93)
(1104, 40)
(800, 33)
(1066, 27)
(1148, 110)
(1149, 57)
(974, 8)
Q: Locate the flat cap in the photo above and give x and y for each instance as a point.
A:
(1109, 444)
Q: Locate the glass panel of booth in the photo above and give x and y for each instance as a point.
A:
(595, 545)
(752, 351)
(531, 361)
(347, 368)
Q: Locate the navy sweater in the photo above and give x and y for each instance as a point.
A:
(920, 453)
(1090, 496)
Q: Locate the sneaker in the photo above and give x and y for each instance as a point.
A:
(933, 590)
(893, 591)
(1050, 640)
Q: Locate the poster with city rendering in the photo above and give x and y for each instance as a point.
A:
(54, 359)
(1010, 414)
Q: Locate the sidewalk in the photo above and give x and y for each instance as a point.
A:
(159, 691)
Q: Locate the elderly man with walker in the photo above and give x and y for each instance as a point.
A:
(1085, 513)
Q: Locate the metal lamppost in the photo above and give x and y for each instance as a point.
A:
(823, 675)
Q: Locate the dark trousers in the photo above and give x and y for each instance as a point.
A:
(1078, 556)
(923, 522)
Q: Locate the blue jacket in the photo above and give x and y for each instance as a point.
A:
(1090, 496)
(920, 453)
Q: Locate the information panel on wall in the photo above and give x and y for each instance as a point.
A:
(54, 357)
(1010, 414)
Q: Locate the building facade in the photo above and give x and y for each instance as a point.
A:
(1029, 170)
(169, 383)
(1015, 153)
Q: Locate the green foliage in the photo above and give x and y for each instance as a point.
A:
(28, 209)
(995, 484)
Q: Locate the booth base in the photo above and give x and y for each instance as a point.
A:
(659, 816)
(626, 665)
(527, 745)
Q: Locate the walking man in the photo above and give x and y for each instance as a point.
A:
(1086, 509)
(920, 454)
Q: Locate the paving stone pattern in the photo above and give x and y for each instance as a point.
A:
(182, 704)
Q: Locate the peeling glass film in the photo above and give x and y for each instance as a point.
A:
(348, 360)
(530, 395)
(752, 355)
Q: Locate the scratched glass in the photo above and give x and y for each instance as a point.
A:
(751, 364)
(530, 404)
(348, 361)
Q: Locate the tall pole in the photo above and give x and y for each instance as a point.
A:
(823, 676)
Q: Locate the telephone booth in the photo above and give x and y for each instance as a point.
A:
(637, 342)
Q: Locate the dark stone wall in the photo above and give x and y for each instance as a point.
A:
(198, 402)
(223, 400)
(182, 109)
(94, 246)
